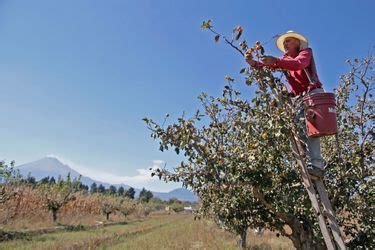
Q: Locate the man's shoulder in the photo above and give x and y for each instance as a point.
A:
(306, 50)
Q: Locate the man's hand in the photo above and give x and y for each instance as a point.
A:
(249, 58)
(269, 60)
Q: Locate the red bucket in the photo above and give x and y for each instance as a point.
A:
(320, 114)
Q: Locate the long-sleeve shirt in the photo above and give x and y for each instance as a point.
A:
(297, 79)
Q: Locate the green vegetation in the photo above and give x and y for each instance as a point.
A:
(240, 163)
(56, 195)
(158, 232)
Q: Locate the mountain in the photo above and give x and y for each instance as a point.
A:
(180, 193)
(51, 166)
(47, 166)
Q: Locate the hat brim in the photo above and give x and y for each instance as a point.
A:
(280, 40)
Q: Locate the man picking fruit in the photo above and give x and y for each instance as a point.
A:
(303, 80)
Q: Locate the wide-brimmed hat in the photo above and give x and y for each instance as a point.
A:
(280, 40)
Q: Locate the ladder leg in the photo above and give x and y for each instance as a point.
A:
(312, 194)
(330, 214)
(315, 204)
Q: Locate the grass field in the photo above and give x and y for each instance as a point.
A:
(178, 231)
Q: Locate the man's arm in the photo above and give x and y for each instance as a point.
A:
(298, 63)
(255, 64)
(258, 64)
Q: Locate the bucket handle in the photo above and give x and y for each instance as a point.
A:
(309, 78)
(313, 68)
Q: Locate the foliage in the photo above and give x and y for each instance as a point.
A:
(8, 177)
(351, 180)
(112, 190)
(145, 195)
(127, 207)
(101, 189)
(93, 188)
(176, 207)
(57, 195)
(240, 163)
(130, 193)
(109, 205)
(121, 191)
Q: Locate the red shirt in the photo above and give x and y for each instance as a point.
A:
(297, 79)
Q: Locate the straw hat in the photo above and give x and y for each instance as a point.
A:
(280, 40)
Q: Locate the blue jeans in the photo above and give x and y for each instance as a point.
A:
(314, 156)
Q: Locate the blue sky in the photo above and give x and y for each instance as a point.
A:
(77, 77)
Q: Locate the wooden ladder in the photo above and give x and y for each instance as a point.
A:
(319, 200)
(316, 190)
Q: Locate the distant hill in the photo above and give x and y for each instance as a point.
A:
(51, 166)
(179, 193)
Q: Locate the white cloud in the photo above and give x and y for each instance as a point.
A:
(141, 179)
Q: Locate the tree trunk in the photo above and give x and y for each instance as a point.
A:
(108, 215)
(305, 244)
(243, 239)
(302, 236)
(54, 214)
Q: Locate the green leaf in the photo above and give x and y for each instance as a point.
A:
(147, 120)
(206, 25)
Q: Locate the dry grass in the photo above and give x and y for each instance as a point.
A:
(202, 234)
(88, 239)
(160, 231)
